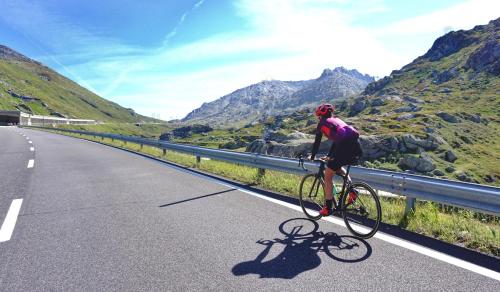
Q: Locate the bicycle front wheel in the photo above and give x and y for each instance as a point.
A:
(361, 210)
(312, 196)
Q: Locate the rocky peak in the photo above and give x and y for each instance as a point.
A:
(341, 70)
(448, 44)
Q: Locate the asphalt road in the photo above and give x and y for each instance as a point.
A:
(98, 218)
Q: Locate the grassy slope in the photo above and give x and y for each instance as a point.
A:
(57, 92)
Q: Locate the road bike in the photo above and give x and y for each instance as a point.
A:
(357, 202)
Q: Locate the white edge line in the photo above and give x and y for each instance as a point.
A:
(31, 163)
(10, 220)
(379, 235)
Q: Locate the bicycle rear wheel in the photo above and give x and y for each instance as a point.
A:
(361, 210)
(312, 196)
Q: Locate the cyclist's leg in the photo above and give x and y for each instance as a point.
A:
(329, 183)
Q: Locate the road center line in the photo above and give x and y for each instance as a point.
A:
(10, 220)
(31, 163)
(30, 142)
(32, 148)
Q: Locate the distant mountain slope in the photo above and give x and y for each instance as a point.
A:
(274, 97)
(29, 86)
(451, 93)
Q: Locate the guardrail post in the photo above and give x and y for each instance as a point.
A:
(164, 152)
(410, 205)
(198, 159)
(142, 145)
(260, 173)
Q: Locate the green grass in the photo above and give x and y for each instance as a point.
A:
(462, 227)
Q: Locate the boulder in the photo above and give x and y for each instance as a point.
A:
(357, 107)
(420, 164)
(405, 117)
(444, 76)
(432, 142)
(464, 176)
(377, 102)
(409, 108)
(413, 99)
(438, 172)
(375, 147)
(447, 117)
(450, 156)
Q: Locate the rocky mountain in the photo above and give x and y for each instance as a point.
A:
(272, 97)
(31, 87)
(440, 114)
(437, 116)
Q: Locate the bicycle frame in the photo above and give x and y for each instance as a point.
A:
(321, 176)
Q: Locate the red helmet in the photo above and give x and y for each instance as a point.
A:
(323, 109)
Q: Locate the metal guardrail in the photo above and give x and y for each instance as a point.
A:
(482, 198)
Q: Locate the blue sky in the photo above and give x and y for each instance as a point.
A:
(165, 58)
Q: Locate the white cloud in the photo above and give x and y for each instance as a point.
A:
(289, 40)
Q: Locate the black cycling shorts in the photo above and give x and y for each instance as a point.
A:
(344, 153)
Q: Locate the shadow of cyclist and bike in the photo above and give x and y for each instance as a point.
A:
(302, 245)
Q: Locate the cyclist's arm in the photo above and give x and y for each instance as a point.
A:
(331, 153)
(317, 141)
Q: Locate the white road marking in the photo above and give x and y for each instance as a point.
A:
(27, 138)
(30, 142)
(379, 235)
(10, 220)
(32, 148)
(31, 163)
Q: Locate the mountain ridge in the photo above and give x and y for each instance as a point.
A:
(30, 86)
(269, 97)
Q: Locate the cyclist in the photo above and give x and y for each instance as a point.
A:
(345, 148)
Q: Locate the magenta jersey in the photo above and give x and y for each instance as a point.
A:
(336, 129)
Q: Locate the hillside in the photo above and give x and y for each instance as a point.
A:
(31, 87)
(274, 97)
(437, 116)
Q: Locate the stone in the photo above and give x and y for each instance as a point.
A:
(377, 102)
(357, 107)
(445, 90)
(450, 169)
(463, 176)
(450, 156)
(447, 117)
(413, 99)
(405, 117)
(489, 178)
(429, 130)
(374, 111)
(420, 164)
(445, 76)
(438, 172)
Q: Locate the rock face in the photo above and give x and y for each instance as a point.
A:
(486, 58)
(274, 97)
(448, 44)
